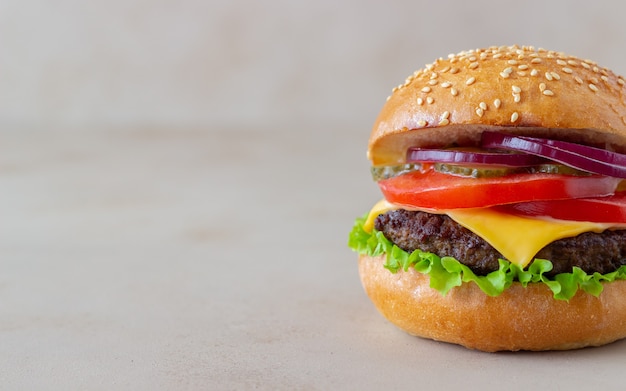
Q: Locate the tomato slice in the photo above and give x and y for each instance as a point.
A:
(434, 190)
(611, 209)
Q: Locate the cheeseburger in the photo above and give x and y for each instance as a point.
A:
(503, 222)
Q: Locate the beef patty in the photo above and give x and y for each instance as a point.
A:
(439, 234)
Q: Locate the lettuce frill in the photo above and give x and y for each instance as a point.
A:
(446, 272)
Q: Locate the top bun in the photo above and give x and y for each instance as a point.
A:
(529, 91)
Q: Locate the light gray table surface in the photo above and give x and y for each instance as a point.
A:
(215, 259)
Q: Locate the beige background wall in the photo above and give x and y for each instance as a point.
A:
(193, 63)
(178, 179)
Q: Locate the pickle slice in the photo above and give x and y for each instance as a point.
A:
(477, 171)
(385, 172)
(380, 173)
(496, 171)
(558, 169)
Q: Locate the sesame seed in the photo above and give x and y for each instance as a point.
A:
(444, 122)
(497, 103)
(596, 69)
(549, 76)
(505, 75)
(432, 82)
(572, 63)
(604, 78)
(508, 70)
(420, 101)
(620, 82)
(426, 89)
(445, 84)
(482, 105)
(516, 89)
(479, 112)
(555, 76)
(521, 73)
(585, 65)
(422, 123)
(561, 62)
(497, 55)
(453, 91)
(445, 69)
(430, 100)
(512, 62)
(445, 115)
(514, 117)
(535, 60)
(594, 80)
(542, 87)
(534, 72)
(548, 92)
(470, 81)
(523, 67)
(473, 65)
(454, 70)
(517, 98)
(434, 75)
(593, 87)
(578, 79)
(567, 70)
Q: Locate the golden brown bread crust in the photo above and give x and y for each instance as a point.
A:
(521, 88)
(519, 319)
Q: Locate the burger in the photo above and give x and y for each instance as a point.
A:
(502, 225)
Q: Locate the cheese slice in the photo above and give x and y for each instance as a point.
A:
(381, 207)
(517, 238)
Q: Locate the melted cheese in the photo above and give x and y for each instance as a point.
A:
(381, 207)
(518, 238)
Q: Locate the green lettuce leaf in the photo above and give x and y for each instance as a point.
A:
(446, 272)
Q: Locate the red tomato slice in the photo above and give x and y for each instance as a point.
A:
(611, 209)
(435, 190)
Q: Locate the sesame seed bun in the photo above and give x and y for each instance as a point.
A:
(519, 319)
(529, 91)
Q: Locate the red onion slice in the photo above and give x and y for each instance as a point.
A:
(598, 154)
(594, 160)
(470, 157)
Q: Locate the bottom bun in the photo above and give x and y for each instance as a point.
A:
(519, 319)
